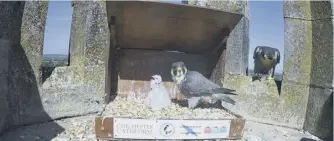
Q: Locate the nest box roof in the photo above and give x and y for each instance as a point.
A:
(169, 26)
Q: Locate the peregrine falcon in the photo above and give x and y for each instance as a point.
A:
(158, 98)
(195, 86)
(265, 60)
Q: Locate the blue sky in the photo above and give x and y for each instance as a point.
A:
(266, 27)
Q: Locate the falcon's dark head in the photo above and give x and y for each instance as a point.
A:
(178, 72)
(267, 53)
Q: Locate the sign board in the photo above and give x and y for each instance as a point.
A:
(192, 129)
(134, 128)
(170, 129)
(128, 128)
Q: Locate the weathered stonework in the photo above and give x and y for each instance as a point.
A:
(320, 103)
(69, 91)
(4, 109)
(257, 100)
(319, 114)
(22, 27)
(79, 89)
(237, 46)
(307, 85)
(298, 47)
(297, 9)
(297, 68)
(322, 53)
(313, 68)
(97, 46)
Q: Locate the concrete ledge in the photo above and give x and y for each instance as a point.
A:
(260, 101)
(63, 96)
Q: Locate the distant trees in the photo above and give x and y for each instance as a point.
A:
(54, 62)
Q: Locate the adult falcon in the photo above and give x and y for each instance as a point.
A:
(195, 86)
(265, 60)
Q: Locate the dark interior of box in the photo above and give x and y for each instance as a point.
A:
(147, 37)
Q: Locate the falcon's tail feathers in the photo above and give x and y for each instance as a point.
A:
(229, 100)
(226, 98)
(224, 91)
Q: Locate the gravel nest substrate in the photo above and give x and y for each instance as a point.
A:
(78, 130)
(128, 107)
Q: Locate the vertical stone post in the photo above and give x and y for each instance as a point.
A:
(297, 60)
(307, 87)
(22, 35)
(9, 33)
(237, 47)
(90, 43)
(319, 113)
(32, 34)
(77, 41)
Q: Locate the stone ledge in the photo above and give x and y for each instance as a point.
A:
(260, 101)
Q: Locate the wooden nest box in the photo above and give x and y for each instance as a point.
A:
(147, 37)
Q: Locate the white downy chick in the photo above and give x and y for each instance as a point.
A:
(158, 98)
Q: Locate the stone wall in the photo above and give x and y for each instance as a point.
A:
(305, 101)
(79, 88)
(308, 67)
(4, 110)
(317, 72)
(73, 90)
(22, 35)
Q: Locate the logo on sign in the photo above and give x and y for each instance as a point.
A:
(189, 130)
(216, 129)
(167, 129)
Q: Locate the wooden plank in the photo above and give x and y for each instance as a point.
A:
(105, 130)
(237, 129)
(169, 26)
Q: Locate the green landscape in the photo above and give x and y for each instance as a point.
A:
(55, 60)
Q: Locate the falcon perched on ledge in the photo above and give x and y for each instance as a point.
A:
(265, 60)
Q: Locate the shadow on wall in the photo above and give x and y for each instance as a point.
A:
(46, 73)
(327, 115)
(23, 98)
